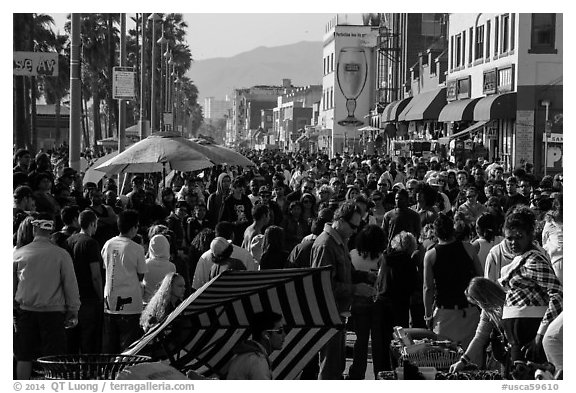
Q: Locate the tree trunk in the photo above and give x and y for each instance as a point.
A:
(97, 124)
(33, 128)
(20, 129)
(85, 131)
(57, 127)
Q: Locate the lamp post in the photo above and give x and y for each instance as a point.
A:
(153, 18)
(143, 79)
(162, 41)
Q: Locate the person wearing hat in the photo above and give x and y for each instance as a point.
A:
(221, 250)
(45, 298)
(437, 182)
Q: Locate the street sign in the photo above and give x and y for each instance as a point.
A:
(124, 83)
(35, 63)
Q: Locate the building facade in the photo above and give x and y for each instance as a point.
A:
(216, 109)
(348, 76)
(506, 72)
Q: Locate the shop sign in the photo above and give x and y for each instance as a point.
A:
(505, 79)
(464, 88)
(554, 138)
(451, 90)
(492, 133)
(489, 83)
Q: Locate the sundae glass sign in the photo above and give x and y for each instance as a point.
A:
(351, 74)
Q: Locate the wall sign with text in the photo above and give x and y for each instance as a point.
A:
(35, 63)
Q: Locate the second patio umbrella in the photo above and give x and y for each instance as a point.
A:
(223, 155)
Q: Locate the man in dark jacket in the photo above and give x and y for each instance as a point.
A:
(330, 248)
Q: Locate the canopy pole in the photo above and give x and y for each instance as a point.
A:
(164, 175)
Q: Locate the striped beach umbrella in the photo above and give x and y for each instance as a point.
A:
(209, 323)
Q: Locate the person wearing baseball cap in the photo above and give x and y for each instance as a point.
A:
(221, 250)
(46, 298)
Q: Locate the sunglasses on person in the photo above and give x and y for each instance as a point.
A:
(277, 331)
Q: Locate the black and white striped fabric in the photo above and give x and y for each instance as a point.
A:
(217, 318)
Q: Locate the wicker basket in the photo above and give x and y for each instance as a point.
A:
(440, 360)
(87, 366)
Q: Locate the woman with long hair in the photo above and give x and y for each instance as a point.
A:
(378, 211)
(167, 297)
(367, 257)
(308, 207)
(295, 228)
(490, 297)
(274, 256)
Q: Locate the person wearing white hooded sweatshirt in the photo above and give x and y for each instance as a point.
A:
(158, 264)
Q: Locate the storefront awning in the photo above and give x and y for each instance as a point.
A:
(473, 128)
(425, 106)
(497, 106)
(458, 110)
(393, 109)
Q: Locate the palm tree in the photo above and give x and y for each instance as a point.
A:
(93, 31)
(55, 89)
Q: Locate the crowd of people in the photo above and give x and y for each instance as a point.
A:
(460, 248)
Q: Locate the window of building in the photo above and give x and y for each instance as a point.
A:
(543, 35)
(470, 44)
(452, 52)
(458, 50)
(496, 36)
(331, 97)
(324, 65)
(479, 45)
(431, 25)
(463, 58)
(488, 39)
(505, 34)
(512, 31)
(332, 62)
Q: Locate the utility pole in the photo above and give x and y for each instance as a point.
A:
(143, 79)
(75, 97)
(122, 106)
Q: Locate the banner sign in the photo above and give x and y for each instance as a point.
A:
(124, 83)
(35, 63)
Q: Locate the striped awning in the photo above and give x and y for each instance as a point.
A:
(217, 318)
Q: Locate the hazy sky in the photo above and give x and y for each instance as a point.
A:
(226, 35)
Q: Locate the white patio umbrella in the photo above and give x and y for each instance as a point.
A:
(368, 128)
(159, 152)
(223, 155)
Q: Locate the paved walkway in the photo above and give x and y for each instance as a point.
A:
(350, 339)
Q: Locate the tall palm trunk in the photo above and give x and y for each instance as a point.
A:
(33, 128)
(20, 129)
(57, 126)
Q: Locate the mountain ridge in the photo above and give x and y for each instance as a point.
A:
(217, 77)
